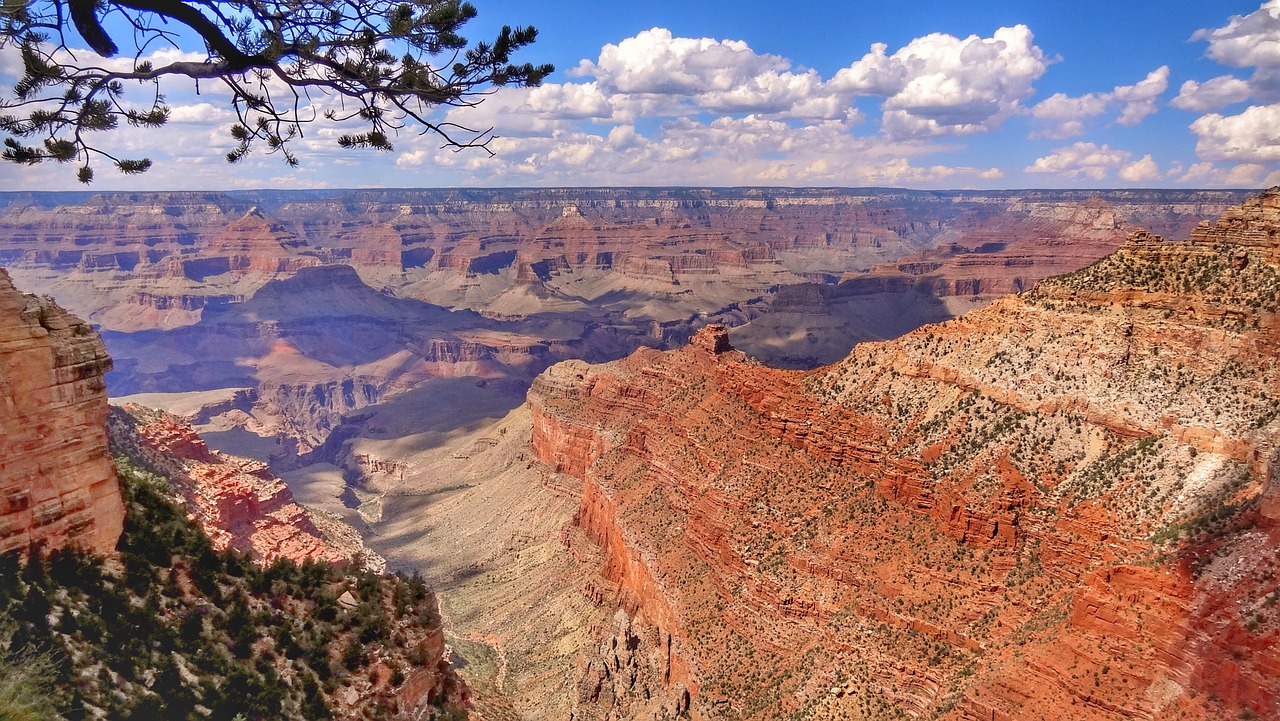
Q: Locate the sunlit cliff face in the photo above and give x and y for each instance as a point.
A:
(1042, 507)
(57, 481)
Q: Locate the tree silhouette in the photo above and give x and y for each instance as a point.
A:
(387, 63)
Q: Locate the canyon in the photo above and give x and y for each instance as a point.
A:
(630, 440)
(292, 310)
(99, 552)
(1061, 505)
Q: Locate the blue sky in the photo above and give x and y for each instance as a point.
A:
(1127, 93)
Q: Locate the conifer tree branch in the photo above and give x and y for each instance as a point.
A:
(396, 61)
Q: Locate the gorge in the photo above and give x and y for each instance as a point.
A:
(628, 437)
(1060, 505)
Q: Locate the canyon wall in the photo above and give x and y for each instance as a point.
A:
(237, 501)
(1057, 506)
(199, 292)
(136, 261)
(57, 484)
(923, 522)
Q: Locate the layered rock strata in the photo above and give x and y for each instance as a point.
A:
(535, 624)
(259, 290)
(237, 501)
(135, 261)
(1062, 505)
(57, 484)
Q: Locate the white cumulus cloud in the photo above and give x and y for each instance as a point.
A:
(1246, 40)
(656, 73)
(1081, 161)
(1252, 136)
(564, 100)
(1250, 139)
(1212, 94)
(1140, 171)
(654, 61)
(1139, 100)
(943, 85)
(1063, 116)
(549, 108)
(752, 149)
(656, 108)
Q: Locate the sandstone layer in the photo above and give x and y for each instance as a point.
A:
(237, 501)
(57, 484)
(137, 261)
(1062, 505)
(671, 234)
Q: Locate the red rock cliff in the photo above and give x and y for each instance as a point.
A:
(237, 501)
(1061, 506)
(57, 484)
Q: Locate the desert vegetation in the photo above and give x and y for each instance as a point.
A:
(172, 629)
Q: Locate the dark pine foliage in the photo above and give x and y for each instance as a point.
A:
(177, 630)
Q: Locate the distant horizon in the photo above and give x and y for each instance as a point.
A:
(527, 188)
(997, 94)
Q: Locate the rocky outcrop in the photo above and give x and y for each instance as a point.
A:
(1060, 506)
(309, 411)
(57, 484)
(237, 501)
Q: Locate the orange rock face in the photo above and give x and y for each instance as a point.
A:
(57, 484)
(1010, 253)
(1061, 506)
(237, 501)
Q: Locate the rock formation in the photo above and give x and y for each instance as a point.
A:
(57, 484)
(237, 501)
(923, 522)
(135, 261)
(532, 276)
(1061, 506)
